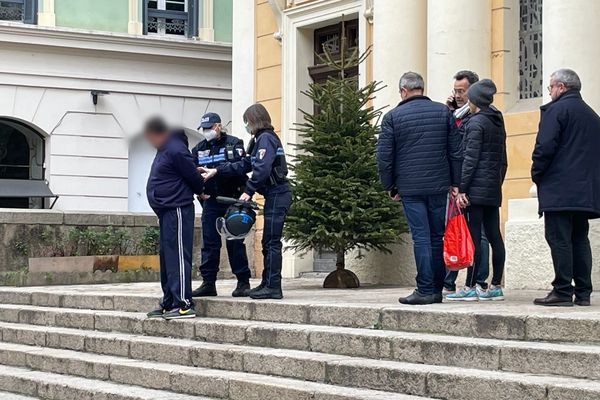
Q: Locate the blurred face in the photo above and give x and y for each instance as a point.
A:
(556, 89)
(156, 139)
(460, 92)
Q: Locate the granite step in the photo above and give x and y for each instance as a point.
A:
(51, 386)
(325, 346)
(12, 396)
(495, 323)
(399, 380)
(187, 380)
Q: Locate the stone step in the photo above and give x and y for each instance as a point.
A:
(12, 396)
(409, 379)
(455, 320)
(51, 386)
(184, 379)
(324, 346)
(518, 356)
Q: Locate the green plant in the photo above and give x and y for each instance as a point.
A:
(149, 242)
(20, 247)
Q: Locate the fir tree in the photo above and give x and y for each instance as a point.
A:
(339, 204)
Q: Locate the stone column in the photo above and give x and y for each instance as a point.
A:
(135, 25)
(207, 31)
(459, 36)
(46, 16)
(399, 45)
(570, 40)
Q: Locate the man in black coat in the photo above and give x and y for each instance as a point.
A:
(418, 155)
(566, 170)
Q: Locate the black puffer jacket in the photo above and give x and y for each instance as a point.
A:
(418, 151)
(485, 162)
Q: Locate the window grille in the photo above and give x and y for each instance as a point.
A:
(171, 17)
(19, 11)
(530, 45)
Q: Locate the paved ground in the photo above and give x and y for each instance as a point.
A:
(307, 291)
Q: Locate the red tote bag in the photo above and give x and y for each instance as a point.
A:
(459, 250)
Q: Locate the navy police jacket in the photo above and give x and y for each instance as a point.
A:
(173, 179)
(225, 149)
(418, 151)
(267, 163)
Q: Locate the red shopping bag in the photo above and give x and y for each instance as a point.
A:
(459, 250)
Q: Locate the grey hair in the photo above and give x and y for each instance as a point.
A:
(412, 81)
(567, 77)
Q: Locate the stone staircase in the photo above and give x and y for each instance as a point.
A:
(57, 344)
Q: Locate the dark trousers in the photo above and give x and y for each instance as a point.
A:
(211, 245)
(176, 242)
(489, 218)
(275, 210)
(567, 236)
(426, 218)
(483, 270)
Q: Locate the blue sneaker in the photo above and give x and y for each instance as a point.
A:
(463, 294)
(494, 293)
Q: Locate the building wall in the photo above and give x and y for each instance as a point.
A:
(105, 15)
(223, 12)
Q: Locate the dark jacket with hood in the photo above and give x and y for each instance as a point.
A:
(484, 158)
(173, 179)
(418, 151)
(566, 159)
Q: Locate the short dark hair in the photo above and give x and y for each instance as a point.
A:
(257, 117)
(470, 76)
(156, 125)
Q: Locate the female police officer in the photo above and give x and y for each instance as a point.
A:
(269, 178)
(216, 149)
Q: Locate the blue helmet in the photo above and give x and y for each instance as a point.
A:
(238, 220)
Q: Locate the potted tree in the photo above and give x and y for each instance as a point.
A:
(339, 204)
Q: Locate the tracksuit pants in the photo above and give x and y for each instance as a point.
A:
(211, 245)
(176, 242)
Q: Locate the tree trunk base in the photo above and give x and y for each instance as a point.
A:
(341, 279)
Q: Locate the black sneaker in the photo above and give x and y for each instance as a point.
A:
(554, 300)
(417, 298)
(256, 289)
(158, 313)
(438, 298)
(207, 289)
(242, 289)
(180, 313)
(267, 293)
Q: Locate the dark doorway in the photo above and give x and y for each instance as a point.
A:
(22, 158)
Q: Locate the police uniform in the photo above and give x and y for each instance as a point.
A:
(225, 149)
(268, 165)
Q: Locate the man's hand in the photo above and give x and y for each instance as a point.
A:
(394, 195)
(204, 197)
(463, 200)
(207, 173)
(245, 197)
(450, 102)
(453, 191)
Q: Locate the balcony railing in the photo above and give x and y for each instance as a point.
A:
(171, 22)
(18, 10)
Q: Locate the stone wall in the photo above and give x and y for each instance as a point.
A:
(27, 233)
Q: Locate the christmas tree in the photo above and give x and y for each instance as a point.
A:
(339, 204)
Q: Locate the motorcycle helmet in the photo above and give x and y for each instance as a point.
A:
(238, 220)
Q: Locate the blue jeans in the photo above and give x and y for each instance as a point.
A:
(483, 270)
(426, 218)
(211, 245)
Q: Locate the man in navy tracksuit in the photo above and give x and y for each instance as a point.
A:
(217, 149)
(172, 184)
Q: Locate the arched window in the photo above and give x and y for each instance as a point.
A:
(530, 47)
(21, 159)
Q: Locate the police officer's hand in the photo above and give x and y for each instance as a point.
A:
(204, 196)
(245, 197)
(207, 173)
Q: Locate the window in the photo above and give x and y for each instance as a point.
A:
(19, 10)
(171, 17)
(330, 37)
(530, 46)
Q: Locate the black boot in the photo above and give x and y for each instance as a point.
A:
(242, 289)
(256, 289)
(417, 298)
(583, 302)
(267, 293)
(207, 289)
(554, 300)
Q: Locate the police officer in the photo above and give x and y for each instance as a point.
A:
(269, 178)
(216, 149)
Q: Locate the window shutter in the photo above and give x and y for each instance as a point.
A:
(193, 14)
(30, 10)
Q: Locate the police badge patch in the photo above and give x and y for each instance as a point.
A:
(261, 153)
(240, 152)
